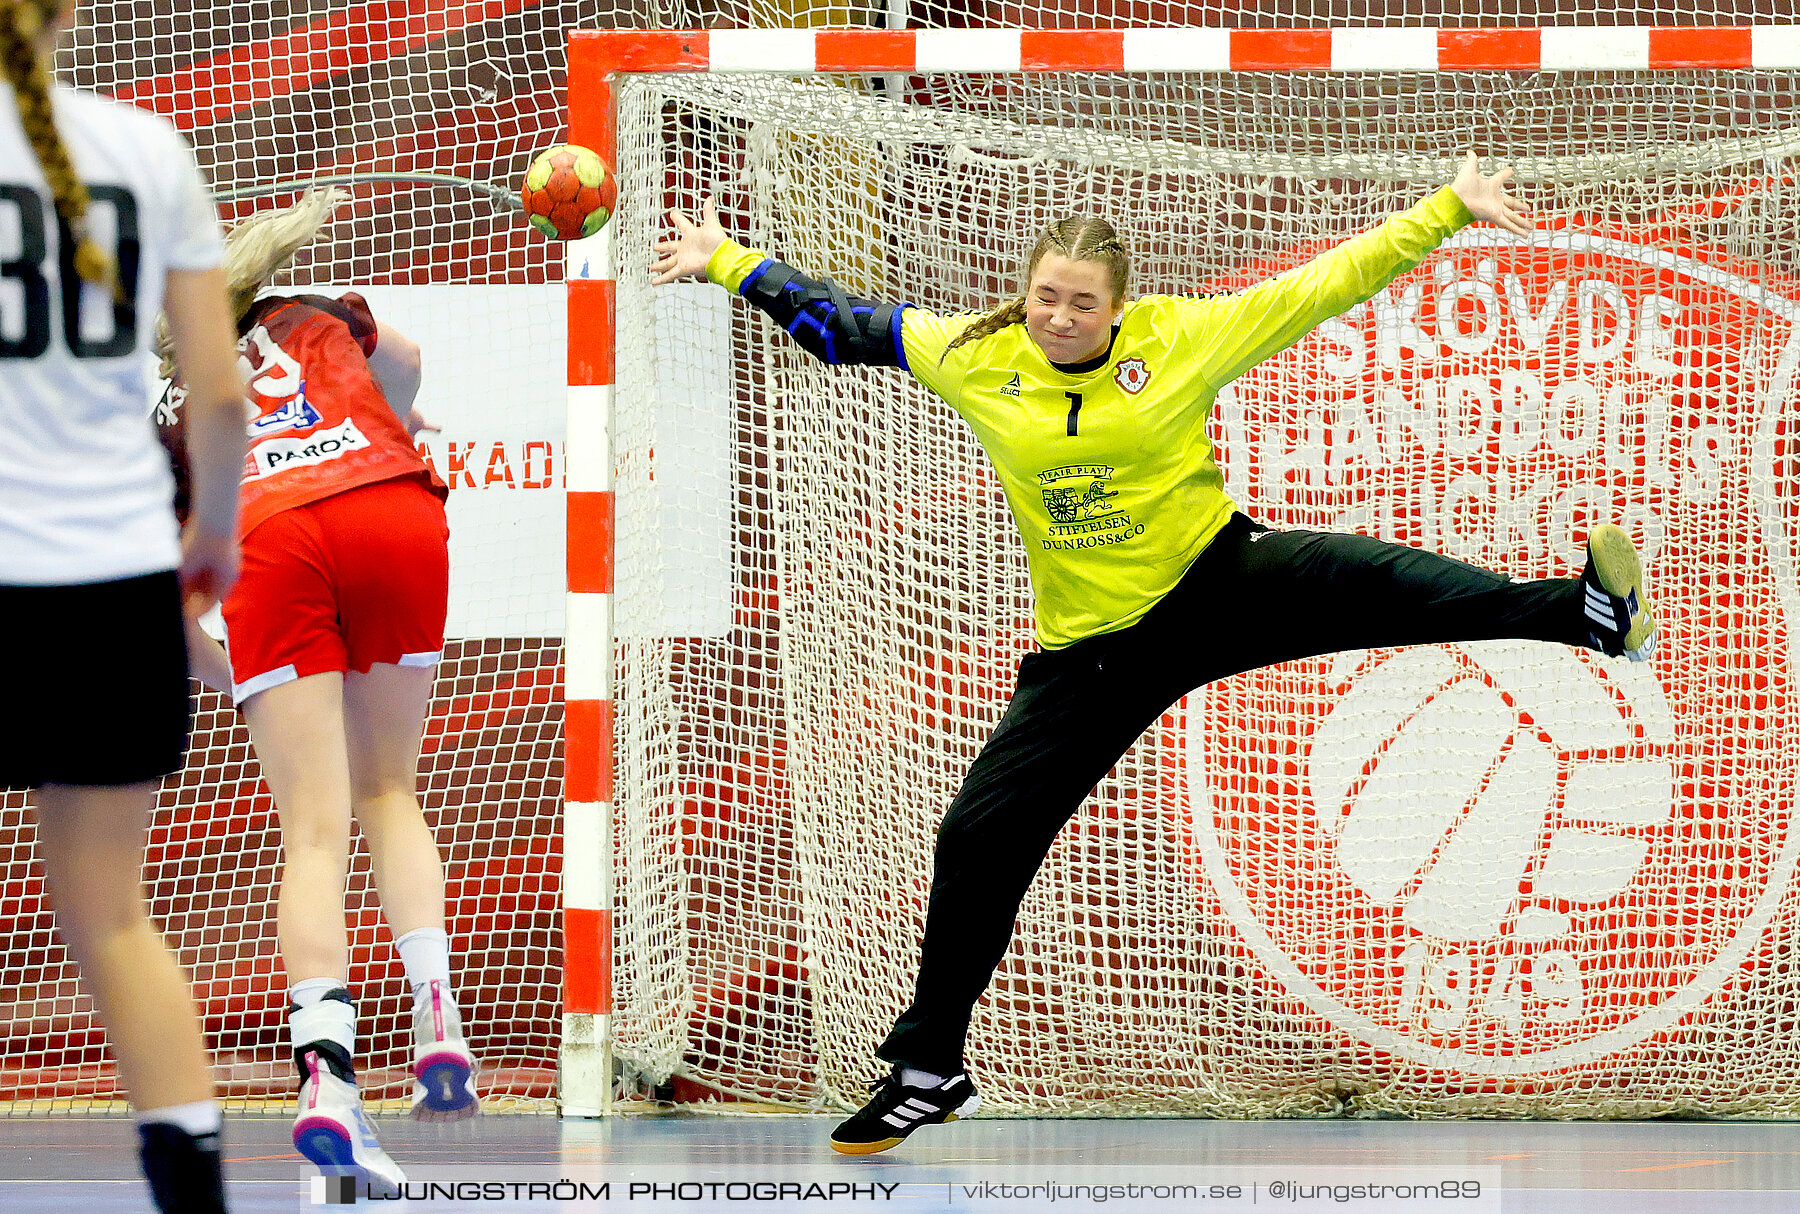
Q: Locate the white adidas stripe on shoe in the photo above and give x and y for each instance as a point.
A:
(908, 1112)
(897, 1109)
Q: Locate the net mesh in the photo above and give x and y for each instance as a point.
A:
(468, 89)
(461, 92)
(1494, 879)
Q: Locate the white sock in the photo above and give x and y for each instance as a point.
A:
(426, 955)
(316, 1018)
(198, 1118)
(913, 1077)
(310, 991)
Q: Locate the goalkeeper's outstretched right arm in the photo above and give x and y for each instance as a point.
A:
(828, 322)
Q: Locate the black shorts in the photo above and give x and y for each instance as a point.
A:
(99, 686)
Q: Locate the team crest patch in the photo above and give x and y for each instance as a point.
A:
(1132, 375)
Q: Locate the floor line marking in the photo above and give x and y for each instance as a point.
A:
(261, 1158)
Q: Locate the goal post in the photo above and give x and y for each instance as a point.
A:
(1494, 879)
(585, 1079)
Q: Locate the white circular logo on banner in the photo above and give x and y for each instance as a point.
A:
(1510, 858)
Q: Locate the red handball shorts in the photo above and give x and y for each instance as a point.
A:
(343, 583)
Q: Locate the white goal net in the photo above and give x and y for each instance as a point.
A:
(821, 600)
(365, 93)
(1492, 879)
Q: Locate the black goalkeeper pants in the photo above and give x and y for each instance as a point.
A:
(1254, 597)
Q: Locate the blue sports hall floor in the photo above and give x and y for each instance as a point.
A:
(693, 1162)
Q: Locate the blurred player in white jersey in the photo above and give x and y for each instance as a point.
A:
(106, 220)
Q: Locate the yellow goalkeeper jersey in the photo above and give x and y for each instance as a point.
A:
(1110, 472)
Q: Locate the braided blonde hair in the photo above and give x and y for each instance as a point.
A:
(254, 251)
(28, 69)
(1079, 238)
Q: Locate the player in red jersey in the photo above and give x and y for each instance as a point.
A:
(333, 634)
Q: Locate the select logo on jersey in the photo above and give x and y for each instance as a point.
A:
(1082, 509)
(278, 454)
(296, 414)
(1512, 858)
(1132, 375)
(1011, 386)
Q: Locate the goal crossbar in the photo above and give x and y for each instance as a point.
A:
(595, 54)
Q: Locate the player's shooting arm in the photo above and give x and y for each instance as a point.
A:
(396, 366)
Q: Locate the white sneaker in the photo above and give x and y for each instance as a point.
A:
(443, 1067)
(335, 1134)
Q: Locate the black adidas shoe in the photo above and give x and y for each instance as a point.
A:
(182, 1169)
(1613, 596)
(896, 1110)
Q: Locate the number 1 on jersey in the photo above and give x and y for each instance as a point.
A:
(1074, 410)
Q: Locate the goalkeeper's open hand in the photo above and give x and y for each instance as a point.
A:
(1487, 199)
(692, 248)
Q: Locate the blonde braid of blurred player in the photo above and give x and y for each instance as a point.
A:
(255, 250)
(29, 72)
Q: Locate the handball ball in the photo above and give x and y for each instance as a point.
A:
(568, 192)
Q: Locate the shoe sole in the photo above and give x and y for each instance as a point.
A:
(887, 1144)
(445, 1082)
(325, 1145)
(1622, 576)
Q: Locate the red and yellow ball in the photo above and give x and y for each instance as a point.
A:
(568, 192)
